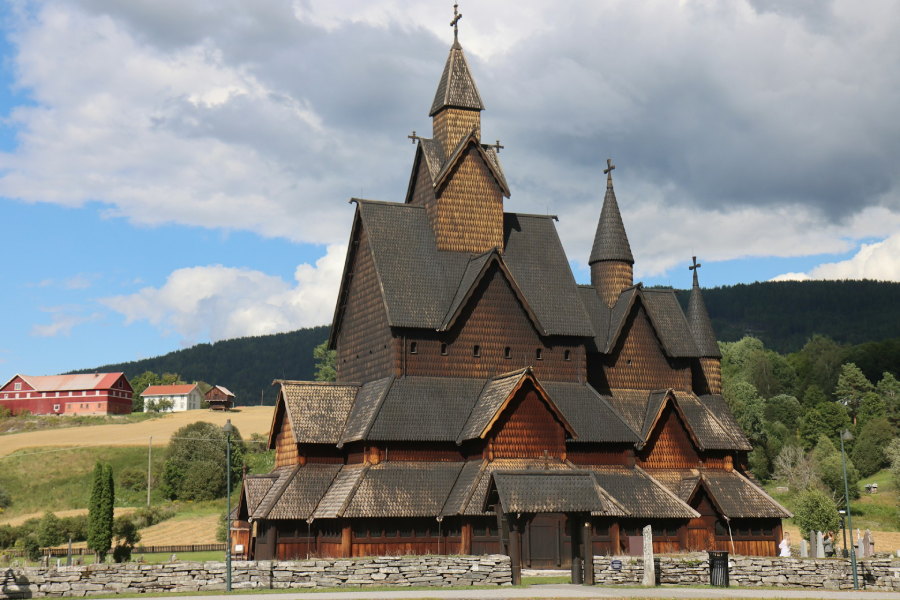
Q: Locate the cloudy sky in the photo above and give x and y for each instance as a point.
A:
(177, 171)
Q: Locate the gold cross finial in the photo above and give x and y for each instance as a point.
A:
(608, 172)
(455, 22)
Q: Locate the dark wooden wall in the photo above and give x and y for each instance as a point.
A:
(364, 341)
(285, 448)
(494, 319)
(669, 446)
(422, 190)
(526, 429)
(637, 361)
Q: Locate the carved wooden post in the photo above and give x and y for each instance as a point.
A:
(573, 523)
(346, 547)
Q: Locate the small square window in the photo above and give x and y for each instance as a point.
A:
(56, 407)
(18, 386)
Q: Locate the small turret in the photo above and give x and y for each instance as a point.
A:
(708, 373)
(612, 264)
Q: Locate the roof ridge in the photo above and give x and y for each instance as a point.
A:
(384, 202)
(762, 491)
(533, 215)
(617, 413)
(667, 490)
(280, 492)
(352, 493)
(321, 383)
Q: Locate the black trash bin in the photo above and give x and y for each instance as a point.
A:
(718, 569)
(657, 571)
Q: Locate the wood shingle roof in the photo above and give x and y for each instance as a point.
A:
(456, 88)
(539, 491)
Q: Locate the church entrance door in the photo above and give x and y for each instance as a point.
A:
(545, 543)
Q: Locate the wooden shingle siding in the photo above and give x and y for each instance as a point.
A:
(285, 447)
(364, 342)
(669, 446)
(526, 429)
(468, 213)
(637, 360)
(610, 277)
(452, 124)
(493, 320)
(708, 376)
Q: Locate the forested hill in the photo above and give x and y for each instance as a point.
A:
(785, 314)
(246, 366)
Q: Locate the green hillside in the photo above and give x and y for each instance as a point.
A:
(785, 314)
(246, 366)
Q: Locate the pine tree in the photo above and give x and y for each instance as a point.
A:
(852, 385)
(94, 542)
(107, 507)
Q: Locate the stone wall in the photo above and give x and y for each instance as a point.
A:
(130, 578)
(693, 569)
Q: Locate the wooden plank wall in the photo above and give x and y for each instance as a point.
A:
(468, 213)
(669, 446)
(423, 188)
(596, 454)
(364, 342)
(637, 362)
(494, 319)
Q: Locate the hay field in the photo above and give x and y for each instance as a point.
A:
(178, 531)
(248, 419)
(885, 541)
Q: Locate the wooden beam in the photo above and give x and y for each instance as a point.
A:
(588, 540)
(346, 545)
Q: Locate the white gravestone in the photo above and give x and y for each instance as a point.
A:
(804, 549)
(820, 545)
(649, 567)
(812, 545)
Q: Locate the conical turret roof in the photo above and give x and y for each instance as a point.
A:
(457, 88)
(701, 327)
(610, 241)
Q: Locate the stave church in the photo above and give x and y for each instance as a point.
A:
(487, 403)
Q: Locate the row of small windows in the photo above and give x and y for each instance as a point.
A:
(476, 351)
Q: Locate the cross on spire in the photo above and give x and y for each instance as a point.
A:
(497, 146)
(454, 23)
(694, 269)
(413, 137)
(608, 172)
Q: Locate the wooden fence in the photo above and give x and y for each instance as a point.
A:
(64, 550)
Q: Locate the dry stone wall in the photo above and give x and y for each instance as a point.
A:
(130, 578)
(693, 569)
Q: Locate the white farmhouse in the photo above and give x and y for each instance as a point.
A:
(183, 397)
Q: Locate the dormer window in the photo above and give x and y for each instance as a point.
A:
(539, 354)
(567, 355)
(476, 351)
(507, 352)
(444, 351)
(414, 348)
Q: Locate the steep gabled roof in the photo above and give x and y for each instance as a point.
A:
(597, 420)
(456, 88)
(365, 408)
(403, 489)
(640, 494)
(419, 283)
(534, 491)
(707, 424)
(610, 240)
(303, 492)
(494, 398)
(736, 497)
(669, 321)
(169, 390)
(492, 161)
(341, 492)
(317, 409)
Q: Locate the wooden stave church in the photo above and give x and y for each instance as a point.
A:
(485, 402)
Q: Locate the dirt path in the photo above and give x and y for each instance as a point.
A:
(250, 419)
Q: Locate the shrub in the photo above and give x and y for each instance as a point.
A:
(868, 454)
(816, 511)
(127, 536)
(133, 480)
(8, 536)
(75, 528)
(5, 499)
(195, 463)
(149, 516)
(831, 472)
(50, 533)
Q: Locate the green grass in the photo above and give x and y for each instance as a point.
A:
(38, 481)
(21, 424)
(526, 581)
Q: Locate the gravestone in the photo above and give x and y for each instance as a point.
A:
(869, 542)
(804, 549)
(820, 545)
(649, 567)
(812, 545)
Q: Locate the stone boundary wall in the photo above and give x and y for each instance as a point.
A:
(133, 578)
(750, 571)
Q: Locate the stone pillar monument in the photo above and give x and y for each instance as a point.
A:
(649, 567)
(820, 545)
(804, 549)
(812, 545)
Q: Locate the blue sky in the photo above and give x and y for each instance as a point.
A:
(173, 173)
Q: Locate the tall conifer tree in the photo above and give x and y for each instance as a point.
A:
(94, 509)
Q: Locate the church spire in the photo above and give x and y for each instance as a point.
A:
(611, 260)
(698, 319)
(457, 105)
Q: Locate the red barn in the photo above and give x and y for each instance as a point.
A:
(84, 394)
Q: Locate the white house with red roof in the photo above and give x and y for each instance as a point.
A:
(80, 394)
(183, 397)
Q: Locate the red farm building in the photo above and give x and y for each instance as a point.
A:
(82, 394)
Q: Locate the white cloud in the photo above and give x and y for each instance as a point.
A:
(62, 323)
(216, 302)
(267, 116)
(880, 260)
